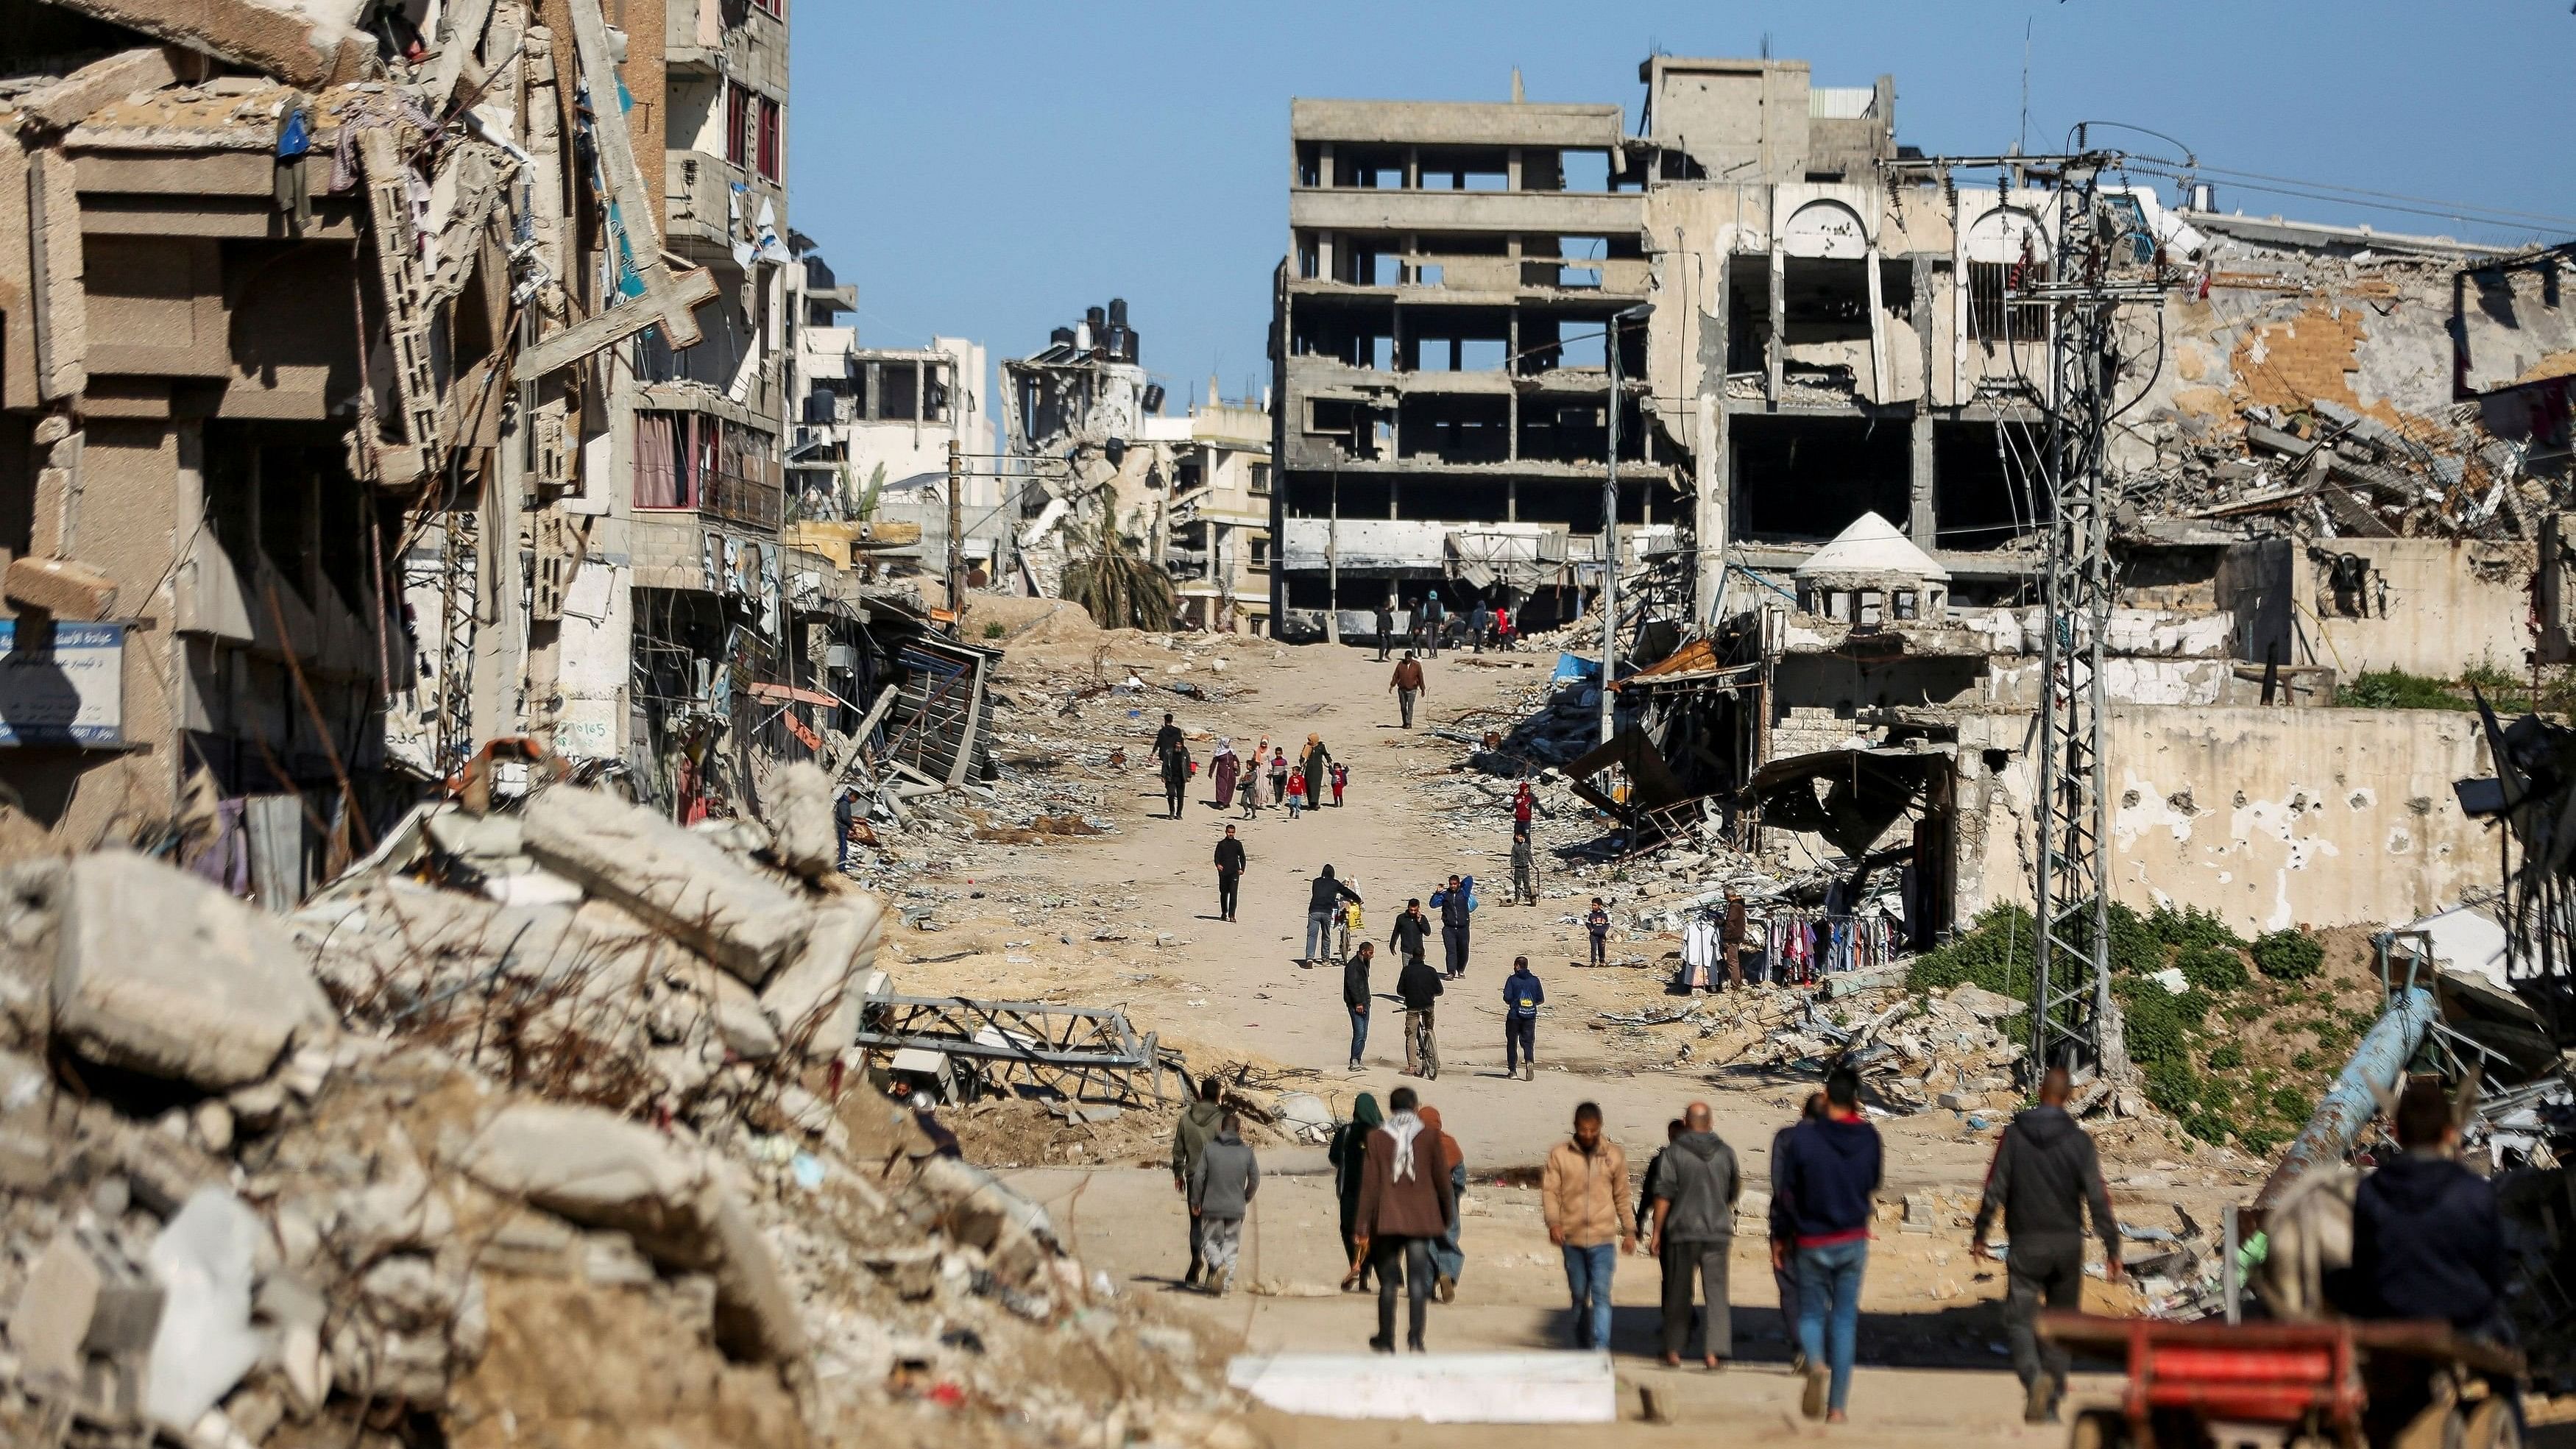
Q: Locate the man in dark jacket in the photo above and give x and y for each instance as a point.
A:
(1784, 1233)
(1418, 986)
(1829, 1172)
(1454, 903)
(1355, 996)
(1405, 1204)
(2427, 1241)
(1696, 1187)
(1324, 899)
(2045, 1177)
(1522, 997)
(1166, 739)
(1411, 937)
(1176, 776)
(845, 813)
(1190, 1137)
(1385, 622)
(1229, 874)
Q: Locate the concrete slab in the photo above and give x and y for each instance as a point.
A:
(1440, 1388)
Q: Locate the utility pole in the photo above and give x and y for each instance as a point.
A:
(1610, 524)
(956, 539)
(2074, 1020)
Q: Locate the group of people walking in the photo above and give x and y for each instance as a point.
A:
(1398, 1178)
(1433, 626)
(1270, 779)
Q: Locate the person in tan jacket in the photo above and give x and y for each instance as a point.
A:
(1405, 1205)
(1584, 1195)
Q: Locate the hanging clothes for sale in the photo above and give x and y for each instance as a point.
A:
(1699, 953)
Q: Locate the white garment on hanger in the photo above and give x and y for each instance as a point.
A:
(1699, 951)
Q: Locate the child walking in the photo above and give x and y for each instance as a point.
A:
(1597, 923)
(1296, 793)
(1341, 777)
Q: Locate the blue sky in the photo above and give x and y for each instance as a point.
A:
(987, 170)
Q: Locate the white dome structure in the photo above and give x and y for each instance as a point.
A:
(1872, 574)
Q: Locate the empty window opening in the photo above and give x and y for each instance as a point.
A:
(1807, 479)
(1585, 171)
(1982, 493)
(1455, 429)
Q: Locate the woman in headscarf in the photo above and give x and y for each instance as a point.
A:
(1221, 771)
(1318, 764)
(1348, 1153)
(1447, 1258)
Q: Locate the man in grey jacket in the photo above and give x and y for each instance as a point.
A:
(1695, 1192)
(1222, 1183)
(1190, 1138)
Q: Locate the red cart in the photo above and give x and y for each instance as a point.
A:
(2299, 1385)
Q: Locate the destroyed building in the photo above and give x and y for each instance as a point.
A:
(1219, 554)
(2342, 455)
(1089, 475)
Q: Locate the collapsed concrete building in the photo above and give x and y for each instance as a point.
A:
(373, 395)
(2336, 460)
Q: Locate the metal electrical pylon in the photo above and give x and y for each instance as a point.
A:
(2075, 1022)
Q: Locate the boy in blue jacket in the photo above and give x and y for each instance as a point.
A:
(1522, 997)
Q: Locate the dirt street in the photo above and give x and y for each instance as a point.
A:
(1130, 917)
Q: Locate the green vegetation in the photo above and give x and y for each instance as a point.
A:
(2193, 929)
(994, 630)
(2397, 689)
(2288, 955)
(2212, 968)
(2228, 1057)
(1998, 953)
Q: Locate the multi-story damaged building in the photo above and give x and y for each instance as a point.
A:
(1219, 553)
(2331, 457)
(1089, 472)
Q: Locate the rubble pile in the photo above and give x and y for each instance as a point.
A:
(1942, 1049)
(532, 1128)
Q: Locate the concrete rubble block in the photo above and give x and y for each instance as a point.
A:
(740, 1023)
(978, 1210)
(64, 588)
(602, 1171)
(1920, 1211)
(801, 821)
(815, 999)
(309, 43)
(159, 972)
(670, 878)
(204, 1342)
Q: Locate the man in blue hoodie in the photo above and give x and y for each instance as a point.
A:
(1522, 996)
(1828, 1173)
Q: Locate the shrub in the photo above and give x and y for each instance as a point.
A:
(2305, 1061)
(2212, 968)
(2217, 1094)
(2192, 1007)
(994, 630)
(2397, 689)
(2259, 1140)
(2191, 928)
(2156, 1029)
(2228, 1055)
(2209, 1129)
(2247, 1012)
(2288, 955)
(2292, 1105)
(1996, 953)
(2171, 1087)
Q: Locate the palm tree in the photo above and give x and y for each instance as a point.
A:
(1113, 582)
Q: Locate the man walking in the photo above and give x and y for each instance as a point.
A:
(1229, 874)
(1784, 1233)
(1407, 684)
(2427, 1240)
(1405, 1203)
(1355, 996)
(1190, 1137)
(1829, 1172)
(2044, 1177)
(1476, 617)
(1323, 901)
(1385, 629)
(1418, 987)
(1435, 618)
(1176, 776)
(1696, 1187)
(1583, 1195)
(1412, 934)
(1222, 1183)
(1522, 996)
(1456, 903)
(1524, 867)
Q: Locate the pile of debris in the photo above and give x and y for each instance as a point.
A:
(1944, 1049)
(539, 1123)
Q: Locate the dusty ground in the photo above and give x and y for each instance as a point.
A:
(1129, 917)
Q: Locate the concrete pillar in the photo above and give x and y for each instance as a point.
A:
(1778, 348)
(1877, 328)
(1709, 444)
(1920, 525)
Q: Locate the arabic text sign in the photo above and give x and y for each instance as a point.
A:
(61, 684)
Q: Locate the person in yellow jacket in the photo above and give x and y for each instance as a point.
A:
(1583, 1194)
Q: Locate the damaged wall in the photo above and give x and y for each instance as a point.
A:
(2267, 817)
